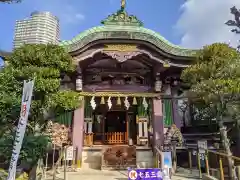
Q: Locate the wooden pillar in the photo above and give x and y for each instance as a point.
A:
(78, 130)
(127, 140)
(176, 116)
(158, 126)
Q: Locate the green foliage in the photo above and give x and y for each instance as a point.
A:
(50, 56)
(217, 61)
(65, 100)
(214, 78)
(33, 147)
(45, 64)
(4, 174)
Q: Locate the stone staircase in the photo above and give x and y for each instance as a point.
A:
(92, 157)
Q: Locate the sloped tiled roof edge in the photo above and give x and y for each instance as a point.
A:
(126, 32)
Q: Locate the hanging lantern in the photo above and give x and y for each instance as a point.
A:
(102, 100)
(118, 101)
(145, 104)
(93, 103)
(175, 82)
(158, 85)
(168, 90)
(126, 103)
(79, 84)
(109, 102)
(134, 101)
(166, 64)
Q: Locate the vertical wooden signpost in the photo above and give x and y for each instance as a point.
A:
(202, 147)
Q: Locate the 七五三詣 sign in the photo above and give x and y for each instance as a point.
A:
(142, 174)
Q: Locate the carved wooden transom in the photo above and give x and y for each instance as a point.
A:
(121, 52)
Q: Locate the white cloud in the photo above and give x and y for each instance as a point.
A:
(71, 15)
(79, 16)
(71, 18)
(203, 22)
(66, 12)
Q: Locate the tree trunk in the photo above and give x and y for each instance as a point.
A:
(227, 149)
(221, 107)
(238, 139)
(37, 171)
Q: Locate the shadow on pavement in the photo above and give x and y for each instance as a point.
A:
(187, 176)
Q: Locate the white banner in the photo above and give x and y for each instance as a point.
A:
(25, 107)
(202, 146)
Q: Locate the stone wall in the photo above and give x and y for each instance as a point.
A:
(207, 177)
(92, 157)
(144, 158)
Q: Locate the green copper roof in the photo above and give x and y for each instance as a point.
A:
(120, 25)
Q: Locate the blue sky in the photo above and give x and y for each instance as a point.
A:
(78, 15)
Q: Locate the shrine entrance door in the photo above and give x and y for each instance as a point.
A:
(116, 127)
(110, 128)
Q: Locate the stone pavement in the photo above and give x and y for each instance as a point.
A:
(109, 175)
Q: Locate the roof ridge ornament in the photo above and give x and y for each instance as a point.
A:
(123, 4)
(122, 18)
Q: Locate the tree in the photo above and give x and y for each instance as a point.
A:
(236, 22)
(46, 64)
(10, 1)
(214, 83)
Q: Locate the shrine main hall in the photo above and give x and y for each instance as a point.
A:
(127, 75)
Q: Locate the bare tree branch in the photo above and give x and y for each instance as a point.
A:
(235, 22)
(10, 1)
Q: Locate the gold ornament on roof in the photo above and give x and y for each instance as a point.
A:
(166, 64)
(123, 4)
(120, 47)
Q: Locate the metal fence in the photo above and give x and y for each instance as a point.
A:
(60, 161)
(218, 167)
(215, 163)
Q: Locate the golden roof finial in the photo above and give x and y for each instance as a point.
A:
(123, 4)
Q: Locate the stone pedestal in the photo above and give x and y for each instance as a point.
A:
(144, 157)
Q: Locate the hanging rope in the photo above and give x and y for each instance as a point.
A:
(118, 94)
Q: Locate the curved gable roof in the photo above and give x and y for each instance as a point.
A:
(120, 25)
(125, 32)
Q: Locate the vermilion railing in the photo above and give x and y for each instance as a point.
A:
(115, 137)
(109, 138)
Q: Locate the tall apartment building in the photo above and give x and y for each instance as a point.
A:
(39, 28)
